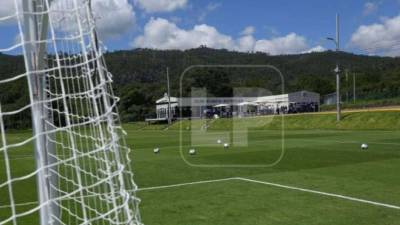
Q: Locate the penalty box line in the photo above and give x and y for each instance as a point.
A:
(364, 201)
(252, 181)
(187, 184)
(322, 193)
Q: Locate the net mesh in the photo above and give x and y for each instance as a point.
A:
(73, 167)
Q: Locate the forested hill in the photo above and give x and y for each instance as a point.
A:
(140, 78)
(142, 71)
(148, 66)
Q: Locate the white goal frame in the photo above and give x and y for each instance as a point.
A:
(83, 170)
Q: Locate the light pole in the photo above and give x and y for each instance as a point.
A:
(337, 70)
(354, 88)
(169, 99)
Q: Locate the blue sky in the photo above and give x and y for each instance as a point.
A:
(276, 27)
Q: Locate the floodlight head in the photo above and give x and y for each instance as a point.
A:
(337, 69)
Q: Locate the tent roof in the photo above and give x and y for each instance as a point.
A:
(248, 103)
(221, 105)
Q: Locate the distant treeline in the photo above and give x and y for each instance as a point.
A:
(140, 76)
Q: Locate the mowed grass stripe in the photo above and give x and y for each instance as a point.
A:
(349, 198)
(244, 203)
(326, 160)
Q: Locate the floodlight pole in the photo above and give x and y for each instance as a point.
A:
(347, 85)
(354, 88)
(338, 108)
(169, 98)
(337, 70)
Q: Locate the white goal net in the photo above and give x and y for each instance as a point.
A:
(63, 157)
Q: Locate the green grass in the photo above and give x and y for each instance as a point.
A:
(377, 120)
(313, 159)
(325, 158)
(364, 103)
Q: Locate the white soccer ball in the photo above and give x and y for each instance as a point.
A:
(192, 152)
(364, 146)
(219, 141)
(156, 150)
(226, 145)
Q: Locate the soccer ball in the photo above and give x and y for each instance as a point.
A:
(364, 147)
(219, 141)
(226, 145)
(192, 152)
(156, 150)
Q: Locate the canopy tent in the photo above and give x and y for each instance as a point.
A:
(221, 106)
(247, 108)
(248, 104)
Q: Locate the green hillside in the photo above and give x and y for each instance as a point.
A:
(140, 79)
(379, 120)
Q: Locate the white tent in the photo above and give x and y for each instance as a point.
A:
(248, 104)
(247, 108)
(221, 105)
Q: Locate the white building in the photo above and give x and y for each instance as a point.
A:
(296, 102)
(291, 101)
(162, 106)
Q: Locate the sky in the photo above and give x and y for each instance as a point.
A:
(275, 27)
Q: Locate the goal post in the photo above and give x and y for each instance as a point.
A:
(83, 173)
(34, 52)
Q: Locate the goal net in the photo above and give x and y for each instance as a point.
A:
(70, 164)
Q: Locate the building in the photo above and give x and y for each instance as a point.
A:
(200, 107)
(162, 106)
(330, 99)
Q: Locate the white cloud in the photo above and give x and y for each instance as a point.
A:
(162, 34)
(161, 5)
(379, 37)
(246, 44)
(7, 9)
(248, 30)
(369, 8)
(318, 48)
(289, 44)
(113, 17)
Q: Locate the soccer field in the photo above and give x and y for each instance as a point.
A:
(323, 178)
(327, 161)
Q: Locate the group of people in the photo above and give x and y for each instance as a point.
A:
(292, 109)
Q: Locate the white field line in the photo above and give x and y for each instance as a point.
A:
(18, 204)
(252, 181)
(279, 186)
(321, 193)
(186, 184)
(142, 189)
